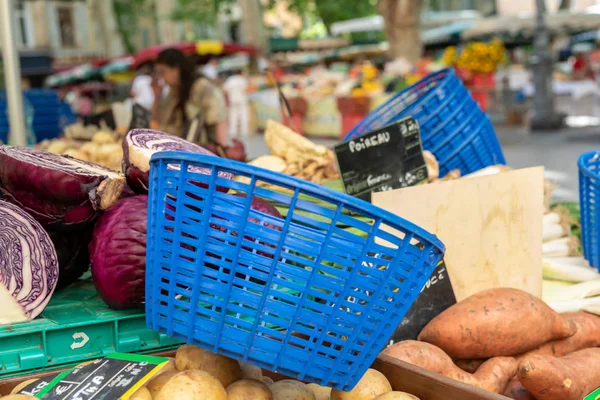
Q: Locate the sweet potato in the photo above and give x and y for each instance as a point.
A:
(587, 335)
(516, 391)
(571, 377)
(470, 365)
(496, 322)
(493, 375)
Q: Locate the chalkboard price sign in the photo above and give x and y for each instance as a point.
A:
(140, 118)
(436, 296)
(386, 159)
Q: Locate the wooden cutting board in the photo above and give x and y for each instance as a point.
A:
(491, 226)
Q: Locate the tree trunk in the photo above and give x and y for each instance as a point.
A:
(253, 27)
(402, 20)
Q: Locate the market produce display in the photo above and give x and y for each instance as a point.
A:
(295, 155)
(92, 144)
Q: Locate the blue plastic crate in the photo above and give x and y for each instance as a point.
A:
(453, 127)
(589, 197)
(314, 295)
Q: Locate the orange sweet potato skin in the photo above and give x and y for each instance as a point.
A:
(587, 335)
(469, 365)
(493, 375)
(495, 322)
(571, 377)
(516, 391)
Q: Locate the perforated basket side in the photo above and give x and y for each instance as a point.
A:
(589, 195)
(402, 104)
(453, 127)
(314, 294)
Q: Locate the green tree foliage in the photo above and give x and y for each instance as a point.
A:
(330, 11)
(127, 13)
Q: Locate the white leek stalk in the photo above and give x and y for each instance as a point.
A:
(583, 290)
(575, 305)
(555, 231)
(577, 260)
(566, 272)
(565, 247)
(551, 218)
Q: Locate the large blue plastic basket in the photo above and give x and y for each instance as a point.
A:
(314, 295)
(589, 197)
(453, 127)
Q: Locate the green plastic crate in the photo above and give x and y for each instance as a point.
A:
(76, 326)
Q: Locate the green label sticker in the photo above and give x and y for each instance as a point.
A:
(595, 395)
(117, 376)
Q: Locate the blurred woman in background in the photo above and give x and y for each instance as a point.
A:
(189, 98)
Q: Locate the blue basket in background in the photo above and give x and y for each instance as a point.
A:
(589, 198)
(314, 295)
(453, 127)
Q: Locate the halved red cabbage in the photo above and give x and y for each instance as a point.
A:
(73, 256)
(58, 191)
(140, 144)
(118, 253)
(28, 265)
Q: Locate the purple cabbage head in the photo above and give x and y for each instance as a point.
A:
(58, 191)
(28, 265)
(118, 253)
(140, 144)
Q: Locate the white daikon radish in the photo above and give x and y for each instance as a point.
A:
(555, 231)
(571, 292)
(565, 247)
(566, 272)
(582, 262)
(575, 305)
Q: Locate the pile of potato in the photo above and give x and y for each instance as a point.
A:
(103, 148)
(295, 155)
(199, 374)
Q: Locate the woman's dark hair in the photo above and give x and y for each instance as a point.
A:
(176, 59)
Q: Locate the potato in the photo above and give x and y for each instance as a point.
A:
(169, 366)
(192, 384)
(372, 384)
(320, 392)
(249, 389)
(22, 386)
(289, 389)
(141, 394)
(104, 137)
(224, 369)
(487, 323)
(268, 381)
(396, 396)
(158, 381)
(250, 371)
